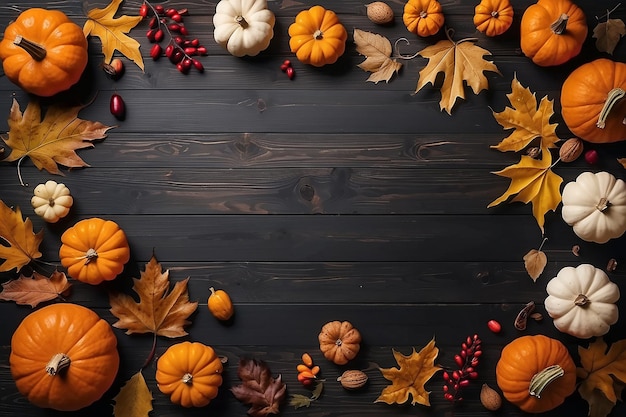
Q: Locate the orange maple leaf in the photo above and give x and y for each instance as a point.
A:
(21, 244)
(415, 370)
(35, 289)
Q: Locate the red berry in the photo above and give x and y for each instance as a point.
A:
(159, 35)
(117, 107)
(464, 383)
(143, 10)
(176, 18)
(187, 64)
(494, 326)
(459, 360)
(290, 72)
(283, 67)
(155, 51)
(150, 34)
(154, 22)
(176, 56)
(159, 9)
(169, 50)
(202, 50)
(174, 27)
(592, 157)
(184, 31)
(171, 12)
(191, 51)
(179, 40)
(195, 42)
(198, 65)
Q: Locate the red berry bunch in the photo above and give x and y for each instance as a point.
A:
(180, 50)
(466, 361)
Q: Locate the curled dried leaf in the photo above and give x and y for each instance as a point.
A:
(576, 250)
(522, 316)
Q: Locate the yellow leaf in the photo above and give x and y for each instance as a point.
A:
(527, 120)
(18, 244)
(134, 399)
(533, 181)
(377, 50)
(415, 370)
(534, 262)
(157, 311)
(35, 289)
(458, 61)
(112, 32)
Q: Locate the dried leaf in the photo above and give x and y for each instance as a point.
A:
(608, 34)
(299, 400)
(112, 32)
(533, 181)
(157, 311)
(534, 262)
(18, 243)
(377, 50)
(258, 389)
(528, 121)
(35, 289)
(603, 373)
(134, 399)
(415, 370)
(622, 162)
(458, 61)
(54, 139)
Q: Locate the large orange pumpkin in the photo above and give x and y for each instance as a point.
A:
(63, 356)
(340, 341)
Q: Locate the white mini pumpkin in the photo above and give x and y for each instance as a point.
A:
(243, 27)
(52, 201)
(581, 301)
(595, 205)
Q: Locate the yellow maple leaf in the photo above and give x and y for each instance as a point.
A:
(377, 50)
(157, 312)
(604, 374)
(18, 243)
(134, 399)
(35, 289)
(527, 120)
(112, 32)
(50, 141)
(458, 61)
(533, 181)
(415, 370)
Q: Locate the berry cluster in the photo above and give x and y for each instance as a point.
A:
(169, 23)
(466, 361)
(307, 371)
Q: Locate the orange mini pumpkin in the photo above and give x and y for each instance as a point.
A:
(339, 341)
(220, 305)
(63, 356)
(94, 250)
(423, 17)
(493, 17)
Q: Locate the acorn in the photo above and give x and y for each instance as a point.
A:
(489, 398)
(379, 13)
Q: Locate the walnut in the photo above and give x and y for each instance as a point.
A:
(571, 150)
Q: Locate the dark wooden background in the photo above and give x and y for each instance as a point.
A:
(314, 199)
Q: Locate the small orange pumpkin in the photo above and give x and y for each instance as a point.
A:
(423, 17)
(220, 305)
(339, 341)
(190, 373)
(94, 250)
(63, 356)
(536, 373)
(493, 17)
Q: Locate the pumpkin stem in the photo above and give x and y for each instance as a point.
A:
(187, 378)
(58, 362)
(423, 14)
(582, 300)
(495, 14)
(91, 255)
(338, 342)
(318, 34)
(36, 51)
(560, 25)
(603, 204)
(242, 21)
(613, 97)
(543, 378)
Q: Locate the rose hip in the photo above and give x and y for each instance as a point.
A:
(159, 35)
(155, 51)
(494, 326)
(117, 107)
(198, 65)
(290, 73)
(143, 10)
(592, 157)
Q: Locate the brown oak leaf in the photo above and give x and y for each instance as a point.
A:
(18, 243)
(415, 370)
(377, 50)
(35, 289)
(157, 312)
(134, 399)
(54, 139)
(112, 32)
(258, 388)
(603, 374)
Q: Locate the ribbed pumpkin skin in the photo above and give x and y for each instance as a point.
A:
(106, 238)
(493, 17)
(583, 95)
(525, 356)
(77, 332)
(423, 17)
(196, 359)
(66, 52)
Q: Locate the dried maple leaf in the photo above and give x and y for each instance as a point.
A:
(299, 400)
(157, 311)
(35, 289)
(377, 50)
(134, 399)
(415, 370)
(458, 61)
(603, 373)
(532, 181)
(527, 120)
(112, 32)
(258, 389)
(50, 141)
(18, 243)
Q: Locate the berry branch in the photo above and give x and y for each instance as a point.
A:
(466, 361)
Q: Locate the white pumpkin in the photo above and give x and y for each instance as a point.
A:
(52, 201)
(581, 301)
(243, 27)
(595, 205)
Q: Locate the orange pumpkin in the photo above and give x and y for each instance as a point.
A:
(339, 341)
(536, 373)
(220, 305)
(591, 101)
(423, 17)
(94, 250)
(493, 17)
(190, 373)
(552, 32)
(317, 37)
(63, 356)
(43, 51)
